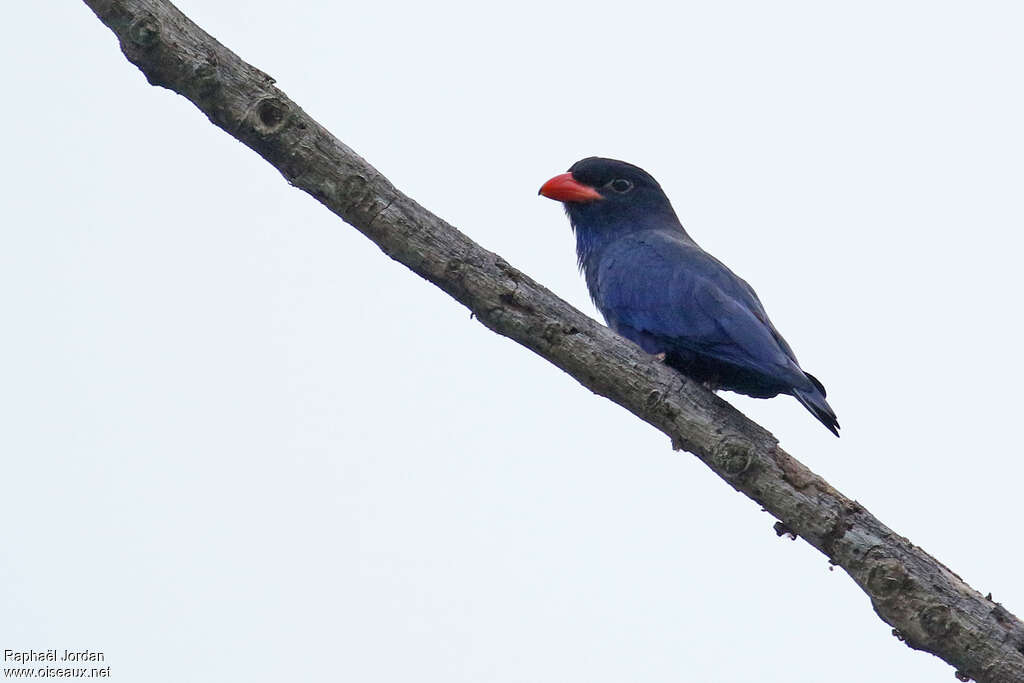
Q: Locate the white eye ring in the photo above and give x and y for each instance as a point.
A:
(620, 185)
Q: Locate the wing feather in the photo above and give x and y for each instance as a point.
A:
(665, 286)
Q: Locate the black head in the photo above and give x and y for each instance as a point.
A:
(606, 194)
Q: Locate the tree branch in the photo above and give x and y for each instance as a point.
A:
(928, 605)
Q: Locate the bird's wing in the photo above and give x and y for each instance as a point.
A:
(737, 288)
(663, 285)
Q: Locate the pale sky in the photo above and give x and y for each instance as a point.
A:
(240, 443)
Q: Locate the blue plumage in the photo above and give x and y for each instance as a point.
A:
(656, 287)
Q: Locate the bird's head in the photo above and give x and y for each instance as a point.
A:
(606, 195)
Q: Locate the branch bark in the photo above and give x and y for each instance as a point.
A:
(928, 606)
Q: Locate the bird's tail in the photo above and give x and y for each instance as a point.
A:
(814, 400)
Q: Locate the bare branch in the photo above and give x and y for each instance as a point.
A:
(927, 605)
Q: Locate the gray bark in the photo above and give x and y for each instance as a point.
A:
(928, 606)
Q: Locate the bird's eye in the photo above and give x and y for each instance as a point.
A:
(620, 185)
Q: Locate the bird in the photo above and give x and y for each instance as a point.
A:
(656, 287)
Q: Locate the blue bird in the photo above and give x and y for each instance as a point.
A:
(657, 288)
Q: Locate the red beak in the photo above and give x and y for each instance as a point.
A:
(565, 188)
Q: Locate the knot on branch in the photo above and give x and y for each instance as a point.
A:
(733, 456)
(270, 115)
(144, 31)
(886, 579)
(936, 620)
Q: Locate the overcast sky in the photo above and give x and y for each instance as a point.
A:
(240, 443)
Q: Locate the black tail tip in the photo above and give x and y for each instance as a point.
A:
(826, 417)
(818, 407)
